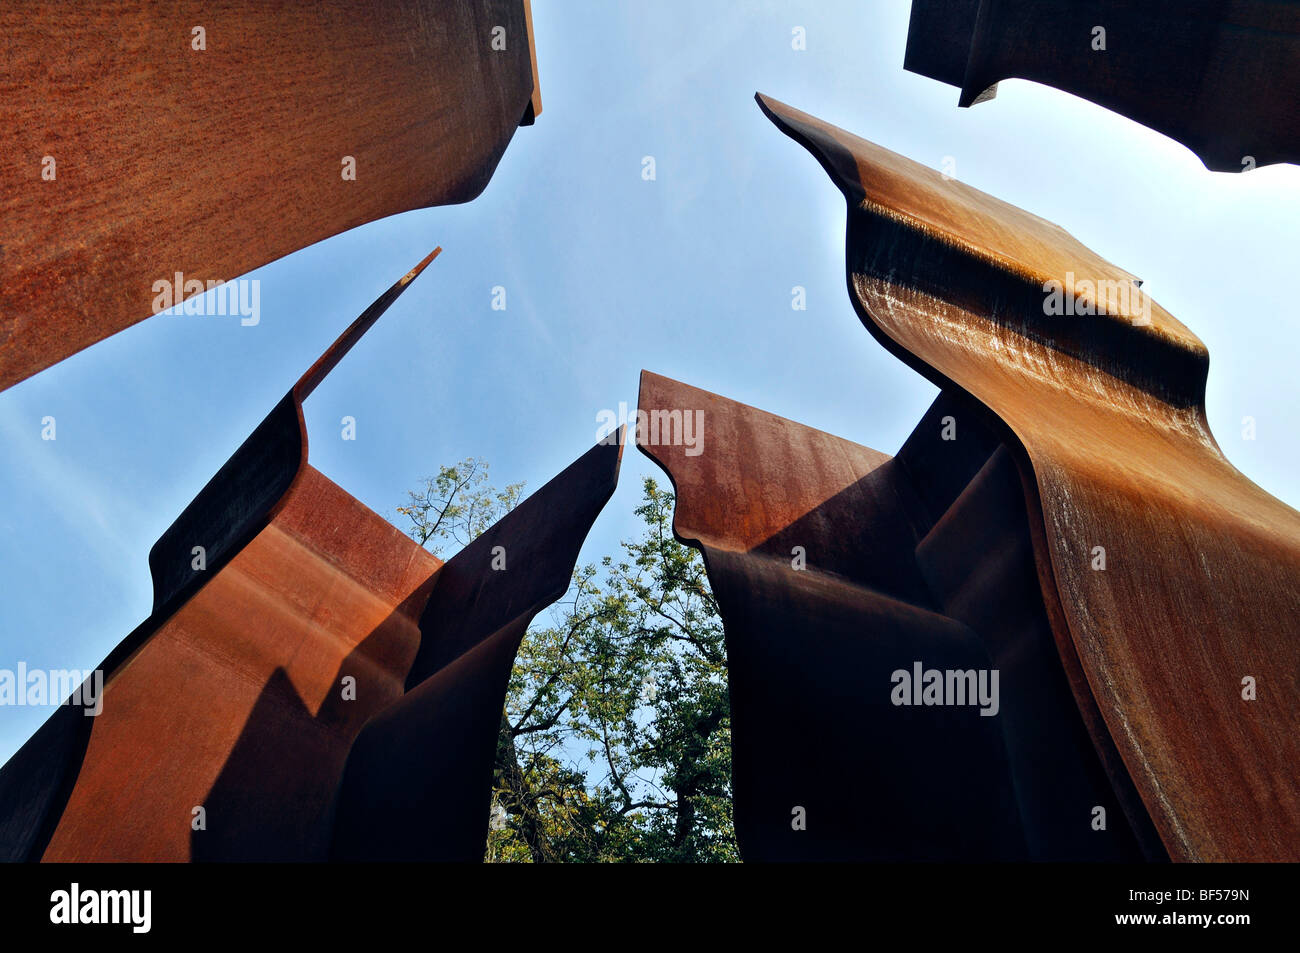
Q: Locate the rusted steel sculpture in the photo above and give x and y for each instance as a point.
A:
(151, 141)
(418, 780)
(1223, 78)
(269, 559)
(835, 566)
(1181, 652)
(286, 615)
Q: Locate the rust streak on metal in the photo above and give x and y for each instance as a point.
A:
(1105, 417)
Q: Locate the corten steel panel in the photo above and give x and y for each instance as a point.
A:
(1220, 76)
(212, 163)
(228, 697)
(418, 783)
(236, 704)
(924, 557)
(1105, 416)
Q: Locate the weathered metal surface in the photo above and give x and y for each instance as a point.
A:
(237, 703)
(418, 784)
(210, 163)
(1223, 78)
(228, 696)
(835, 566)
(1103, 411)
(254, 481)
(243, 692)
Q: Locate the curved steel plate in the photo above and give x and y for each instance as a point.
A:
(210, 163)
(298, 585)
(244, 691)
(418, 783)
(1104, 412)
(1221, 78)
(835, 567)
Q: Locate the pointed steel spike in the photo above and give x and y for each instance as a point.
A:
(343, 343)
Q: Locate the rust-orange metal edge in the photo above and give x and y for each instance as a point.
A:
(418, 781)
(835, 567)
(135, 158)
(268, 587)
(1105, 414)
(242, 693)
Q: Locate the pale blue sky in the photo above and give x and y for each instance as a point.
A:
(689, 276)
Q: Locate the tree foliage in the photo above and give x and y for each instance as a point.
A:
(615, 740)
(457, 505)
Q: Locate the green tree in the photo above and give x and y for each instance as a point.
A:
(615, 740)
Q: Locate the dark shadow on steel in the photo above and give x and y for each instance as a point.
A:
(265, 482)
(418, 781)
(243, 692)
(1222, 78)
(208, 163)
(1102, 411)
(836, 566)
(234, 505)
